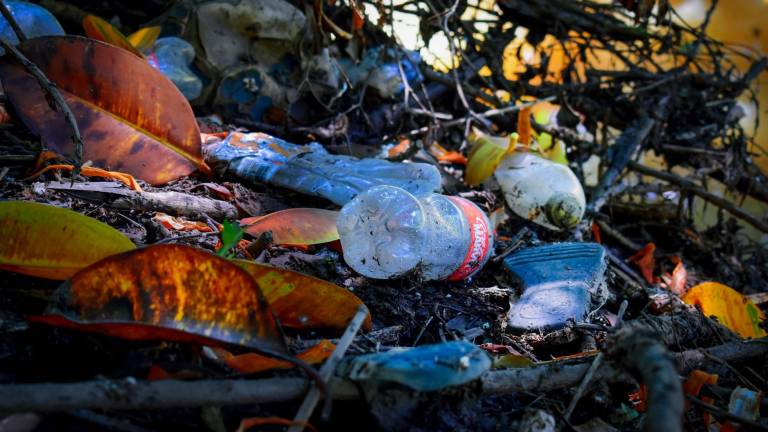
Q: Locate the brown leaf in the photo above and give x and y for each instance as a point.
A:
(167, 292)
(296, 226)
(132, 118)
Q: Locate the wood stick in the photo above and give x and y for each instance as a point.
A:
(326, 371)
(12, 21)
(692, 187)
(117, 196)
(131, 394)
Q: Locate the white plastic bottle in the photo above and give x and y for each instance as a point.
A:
(387, 232)
(537, 189)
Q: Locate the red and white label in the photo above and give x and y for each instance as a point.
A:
(479, 239)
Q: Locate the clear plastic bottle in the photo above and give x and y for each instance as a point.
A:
(34, 21)
(386, 232)
(310, 169)
(540, 190)
(172, 56)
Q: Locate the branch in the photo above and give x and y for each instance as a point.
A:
(692, 187)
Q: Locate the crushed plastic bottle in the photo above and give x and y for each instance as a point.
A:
(537, 189)
(386, 232)
(559, 281)
(380, 70)
(172, 56)
(34, 21)
(310, 169)
(424, 368)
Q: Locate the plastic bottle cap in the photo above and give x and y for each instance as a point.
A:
(563, 211)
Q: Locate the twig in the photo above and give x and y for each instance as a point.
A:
(596, 363)
(692, 187)
(326, 372)
(12, 21)
(55, 100)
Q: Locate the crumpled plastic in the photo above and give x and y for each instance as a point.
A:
(424, 368)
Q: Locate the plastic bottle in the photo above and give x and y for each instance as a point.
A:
(310, 169)
(386, 232)
(540, 190)
(172, 56)
(34, 21)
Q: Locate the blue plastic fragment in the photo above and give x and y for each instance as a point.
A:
(559, 280)
(34, 21)
(424, 368)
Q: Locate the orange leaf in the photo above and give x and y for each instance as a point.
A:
(296, 226)
(248, 423)
(131, 117)
(51, 242)
(167, 292)
(358, 19)
(676, 282)
(97, 28)
(124, 178)
(401, 147)
(304, 302)
(253, 363)
(180, 224)
(596, 234)
(144, 38)
(645, 261)
(731, 308)
(524, 126)
(446, 156)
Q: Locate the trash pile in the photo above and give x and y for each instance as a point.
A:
(270, 215)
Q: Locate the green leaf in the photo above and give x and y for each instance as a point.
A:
(231, 234)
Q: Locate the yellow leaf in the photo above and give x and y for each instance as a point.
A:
(731, 308)
(51, 242)
(143, 39)
(485, 155)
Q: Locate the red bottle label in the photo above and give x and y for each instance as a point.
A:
(479, 239)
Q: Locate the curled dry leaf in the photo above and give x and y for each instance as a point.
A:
(731, 308)
(305, 302)
(51, 242)
(167, 292)
(296, 226)
(132, 118)
(645, 261)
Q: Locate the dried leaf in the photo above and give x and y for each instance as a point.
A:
(446, 156)
(167, 292)
(730, 307)
(51, 242)
(524, 129)
(677, 280)
(180, 224)
(132, 118)
(124, 178)
(98, 29)
(296, 226)
(304, 302)
(645, 261)
(248, 423)
(254, 363)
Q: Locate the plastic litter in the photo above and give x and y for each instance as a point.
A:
(34, 21)
(424, 368)
(745, 403)
(379, 69)
(310, 169)
(172, 56)
(386, 232)
(537, 189)
(559, 280)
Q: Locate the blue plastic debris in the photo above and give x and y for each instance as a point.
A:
(34, 21)
(172, 56)
(310, 169)
(424, 368)
(559, 280)
(379, 68)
